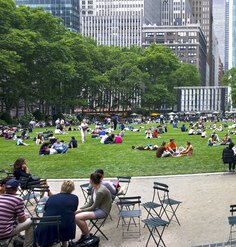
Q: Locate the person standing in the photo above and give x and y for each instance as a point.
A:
(83, 130)
(13, 219)
(228, 156)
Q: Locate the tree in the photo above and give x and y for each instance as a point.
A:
(229, 79)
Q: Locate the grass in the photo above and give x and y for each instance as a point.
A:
(115, 159)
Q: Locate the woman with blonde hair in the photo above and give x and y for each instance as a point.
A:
(64, 204)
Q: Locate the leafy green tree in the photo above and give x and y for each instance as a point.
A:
(229, 79)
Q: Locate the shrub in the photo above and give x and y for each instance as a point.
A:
(38, 115)
(5, 116)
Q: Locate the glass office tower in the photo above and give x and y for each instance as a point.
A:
(67, 10)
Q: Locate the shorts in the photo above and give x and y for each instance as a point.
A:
(99, 213)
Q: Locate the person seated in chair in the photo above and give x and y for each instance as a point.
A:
(13, 219)
(228, 156)
(63, 204)
(98, 207)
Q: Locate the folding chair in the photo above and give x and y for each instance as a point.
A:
(7, 241)
(40, 202)
(130, 210)
(153, 224)
(124, 182)
(168, 206)
(232, 223)
(98, 223)
(153, 207)
(47, 221)
(86, 191)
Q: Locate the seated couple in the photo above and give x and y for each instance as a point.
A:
(56, 148)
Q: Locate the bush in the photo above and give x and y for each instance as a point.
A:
(24, 120)
(38, 115)
(2, 123)
(6, 117)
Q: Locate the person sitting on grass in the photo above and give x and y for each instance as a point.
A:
(73, 143)
(226, 140)
(118, 139)
(212, 141)
(99, 205)
(161, 150)
(60, 147)
(171, 146)
(187, 151)
(110, 139)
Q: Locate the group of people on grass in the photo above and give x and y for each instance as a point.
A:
(168, 149)
(57, 147)
(14, 220)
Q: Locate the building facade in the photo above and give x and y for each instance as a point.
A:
(232, 34)
(187, 42)
(203, 99)
(118, 23)
(202, 11)
(219, 11)
(67, 10)
(176, 13)
(226, 59)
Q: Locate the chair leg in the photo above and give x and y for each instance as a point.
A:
(98, 228)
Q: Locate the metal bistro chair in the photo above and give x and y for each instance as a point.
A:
(124, 182)
(232, 223)
(153, 225)
(47, 221)
(86, 191)
(130, 210)
(168, 206)
(153, 207)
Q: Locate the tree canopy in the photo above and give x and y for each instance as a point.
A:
(45, 66)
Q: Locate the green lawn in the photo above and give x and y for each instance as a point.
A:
(115, 159)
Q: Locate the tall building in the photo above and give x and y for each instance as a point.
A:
(219, 11)
(119, 23)
(226, 59)
(67, 10)
(187, 42)
(176, 13)
(232, 34)
(202, 11)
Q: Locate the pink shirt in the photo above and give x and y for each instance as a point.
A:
(118, 139)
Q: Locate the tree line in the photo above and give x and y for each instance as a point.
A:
(45, 66)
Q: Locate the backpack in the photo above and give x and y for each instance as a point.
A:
(92, 241)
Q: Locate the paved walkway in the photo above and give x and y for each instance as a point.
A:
(203, 213)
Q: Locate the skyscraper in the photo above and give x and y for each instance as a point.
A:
(232, 33)
(219, 26)
(67, 10)
(119, 23)
(226, 60)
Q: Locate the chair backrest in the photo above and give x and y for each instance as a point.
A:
(86, 190)
(47, 221)
(161, 190)
(126, 201)
(124, 182)
(232, 209)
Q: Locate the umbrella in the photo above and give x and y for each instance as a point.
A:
(134, 114)
(171, 113)
(154, 114)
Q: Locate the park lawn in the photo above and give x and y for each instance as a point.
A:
(119, 159)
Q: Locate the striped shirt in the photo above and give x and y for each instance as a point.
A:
(11, 207)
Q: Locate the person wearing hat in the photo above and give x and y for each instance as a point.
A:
(12, 211)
